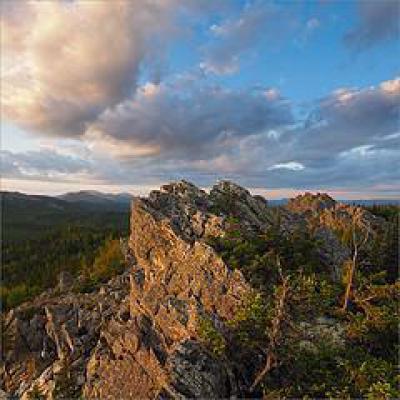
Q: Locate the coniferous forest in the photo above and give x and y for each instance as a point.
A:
(40, 241)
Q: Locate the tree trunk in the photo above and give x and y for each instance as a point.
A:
(272, 359)
(351, 273)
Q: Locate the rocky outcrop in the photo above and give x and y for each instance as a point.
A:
(139, 335)
(309, 202)
(46, 343)
(330, 222)
(178, 281)
(251, 211)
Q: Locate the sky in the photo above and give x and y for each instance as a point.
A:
(279, 96)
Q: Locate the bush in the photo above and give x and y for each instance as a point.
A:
(249, 324)
(14, 296)
(214, 340)
(108, 262)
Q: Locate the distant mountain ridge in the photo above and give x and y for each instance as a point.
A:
(94, 196)
(26, 216)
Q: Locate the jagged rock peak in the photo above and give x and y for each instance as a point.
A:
(178, 281)
(231, 188)
(311, 202)
(178, 196)
(182, 188)
(239, 202)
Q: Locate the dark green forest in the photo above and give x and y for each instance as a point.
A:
(43, 236)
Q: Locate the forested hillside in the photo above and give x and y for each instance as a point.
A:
(42, 236)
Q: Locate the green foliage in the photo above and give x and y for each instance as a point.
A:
(12, 297)
(374, 323)
(390, 212)
(211, 336)
(26, 217)
(330, 371)
(357, 354)
(384, 250)
(33, 265)
(255, 255)
(249, 324)
(224, 205)
(108, 262)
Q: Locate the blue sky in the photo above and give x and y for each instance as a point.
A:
(281, 96)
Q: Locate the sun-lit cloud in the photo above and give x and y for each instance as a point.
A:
(106, 145)
(199, 122)
(65, 62)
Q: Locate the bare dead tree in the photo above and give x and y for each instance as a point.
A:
(360, 237)
(275, 333)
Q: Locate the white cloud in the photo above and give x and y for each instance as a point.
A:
(63, 63)
(105, 145)
(291, 165)
(313, 24)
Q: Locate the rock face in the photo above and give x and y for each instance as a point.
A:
(309, 202)
(138, 336)
(47, 343)
(328, 221)
(178, 280)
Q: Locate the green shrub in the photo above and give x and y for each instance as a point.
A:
(108, 262)
(15, 295)
(249, 324)
(214, 340)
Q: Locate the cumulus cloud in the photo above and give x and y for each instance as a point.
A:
(64, 62)
(351, 136)
(349, 118)
(75, 69)
(378, 21)
(201, 121)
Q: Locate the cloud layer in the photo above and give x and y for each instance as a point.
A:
(193, 123)
(74, 69)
